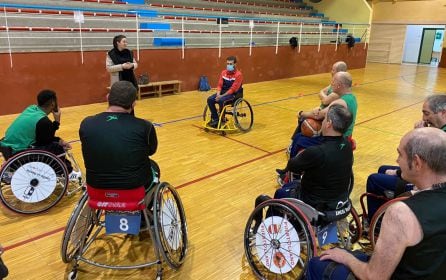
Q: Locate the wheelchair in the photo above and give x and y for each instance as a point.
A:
(236, 115)
(291, 232)
(35, 180)
(106, 215)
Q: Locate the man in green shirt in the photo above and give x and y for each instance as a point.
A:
(33, 129)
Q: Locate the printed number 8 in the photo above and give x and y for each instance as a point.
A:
(123, 224)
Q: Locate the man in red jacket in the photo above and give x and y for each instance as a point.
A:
(229, 84)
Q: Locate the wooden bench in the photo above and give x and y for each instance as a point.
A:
(158, 88)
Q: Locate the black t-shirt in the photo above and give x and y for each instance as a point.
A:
(327, 169)
(427, 259)
(116, 149)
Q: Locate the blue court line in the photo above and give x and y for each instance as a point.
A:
(160, 124)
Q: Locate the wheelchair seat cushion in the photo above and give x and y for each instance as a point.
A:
(116, 200)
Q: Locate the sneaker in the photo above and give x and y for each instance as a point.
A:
(281, 172)
(213, 123)
(74, 176)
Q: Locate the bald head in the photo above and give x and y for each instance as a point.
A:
(341, 82)
(340, 66)
(429, 144)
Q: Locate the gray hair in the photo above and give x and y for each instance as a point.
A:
(430, 145)
(122, 94)
(437, 103)
(340, 117)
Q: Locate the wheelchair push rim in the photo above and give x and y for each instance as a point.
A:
(282, 244)
(33, 181)
(78, 229)
(170, 225)
(243, 115)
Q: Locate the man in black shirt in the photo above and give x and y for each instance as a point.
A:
(412, 239)
(116, 145)
(326, 168)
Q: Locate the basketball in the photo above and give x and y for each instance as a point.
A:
(311, 127)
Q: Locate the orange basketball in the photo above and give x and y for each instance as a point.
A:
(311, 127)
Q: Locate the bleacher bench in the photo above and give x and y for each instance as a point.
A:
(158, 88)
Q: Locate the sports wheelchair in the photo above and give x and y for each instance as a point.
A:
(158, 211)
(235, 115)
(290, 234)
(35, 180)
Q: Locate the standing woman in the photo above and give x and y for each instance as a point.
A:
(120, 62)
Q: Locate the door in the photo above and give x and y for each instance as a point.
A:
(427, 44)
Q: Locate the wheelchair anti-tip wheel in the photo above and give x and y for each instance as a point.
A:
(243, 115)
(78, 229)
(170, 225)
(278, 240)
(33, 181)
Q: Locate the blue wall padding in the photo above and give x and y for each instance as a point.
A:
(168, 41)
(137, 2)
(154, 26)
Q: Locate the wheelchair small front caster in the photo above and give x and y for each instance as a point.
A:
(223, 133)
(72, 275)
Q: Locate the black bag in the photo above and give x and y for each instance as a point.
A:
(3, 270)
(143, 79)
(293, 42)
(350, 40)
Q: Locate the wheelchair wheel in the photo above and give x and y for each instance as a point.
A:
(243, 115)
(78, 229)
(375, 224)
(170, 225)
(33, 181)
(156, 171)
(278, 240)
(206, 114)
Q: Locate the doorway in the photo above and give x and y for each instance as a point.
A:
(423, 44)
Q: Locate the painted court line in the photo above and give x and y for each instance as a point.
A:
(41, 236)
(238, 141)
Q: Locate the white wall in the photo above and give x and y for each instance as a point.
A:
(414, 33)
(438, 43)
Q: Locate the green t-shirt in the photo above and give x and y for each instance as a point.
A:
(352, 106)
(21, 134)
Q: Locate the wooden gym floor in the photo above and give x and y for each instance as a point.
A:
(218, 177)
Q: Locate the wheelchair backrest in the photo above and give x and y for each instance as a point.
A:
(311, 213)
(341, 212)
(116, 200)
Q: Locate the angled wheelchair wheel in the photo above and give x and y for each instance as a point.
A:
(170, 225)
(78, 229)
(279, 240)
(243, 115)
(33, 181)
(375, 224)
(156, 171)
(206, 114)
